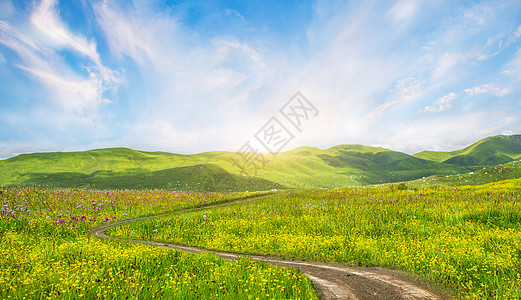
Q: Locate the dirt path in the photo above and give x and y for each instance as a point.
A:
(332, 281)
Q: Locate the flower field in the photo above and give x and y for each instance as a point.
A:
(46, 252)
(467, 238)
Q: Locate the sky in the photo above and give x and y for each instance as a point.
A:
(196, 76)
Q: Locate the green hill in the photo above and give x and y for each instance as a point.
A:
(304, 167)
(124, 168)
(487, 152)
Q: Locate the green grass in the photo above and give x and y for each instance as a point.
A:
(46, 252)
(199, 178)
(466, 238)
(92, 269)
(487, 152)
(484, 175)
(304, 167)
(128, 169)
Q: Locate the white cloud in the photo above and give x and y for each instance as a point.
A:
(442, 104)
(77, 93)
(351, 73)
(487, 89)
(403, 92)
(468, 38)
(517, 33)
(22, 44)
(383, 107)
(403, 12)
(129, 35)
(46, 20)
(513, 67)
(479, 14)
(407, 89)
(219, 73)
(445, 63)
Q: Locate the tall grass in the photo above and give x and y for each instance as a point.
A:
(47, 253)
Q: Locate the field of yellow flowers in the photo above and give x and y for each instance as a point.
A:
(46, 252)
(467, 238)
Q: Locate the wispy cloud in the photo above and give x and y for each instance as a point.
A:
(517, 33)
(442, 104)
(513, 67)
(403, 92)
(403, 12)
(46, 21)
(56, 35)
(74, 91)
(128, 34)
(487, 89)
(159, 44)
(207, 79)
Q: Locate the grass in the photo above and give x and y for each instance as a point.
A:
(484, 175)
(487, 152)
(121, 168)
(46, 252)
(465, 238)
(305, 167)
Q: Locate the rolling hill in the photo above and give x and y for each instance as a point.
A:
(487, 152)
(304, 167)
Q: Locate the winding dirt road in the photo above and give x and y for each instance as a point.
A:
(332, 281)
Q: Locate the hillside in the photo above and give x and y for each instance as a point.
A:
(304, 167)
(510, 170)
(487, 152)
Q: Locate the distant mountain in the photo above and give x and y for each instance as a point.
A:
(486, 152)
(304, 167)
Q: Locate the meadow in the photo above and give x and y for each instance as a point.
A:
(467, 238)
(510, 170)
(46, 251)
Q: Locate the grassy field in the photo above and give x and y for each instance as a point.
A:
(466, 238)
(484, 175)
(46, 252)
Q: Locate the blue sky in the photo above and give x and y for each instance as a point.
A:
(194, 76)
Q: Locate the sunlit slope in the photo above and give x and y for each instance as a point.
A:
(346, 165)
(339, 166)
(487, 152)
(304, 167)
